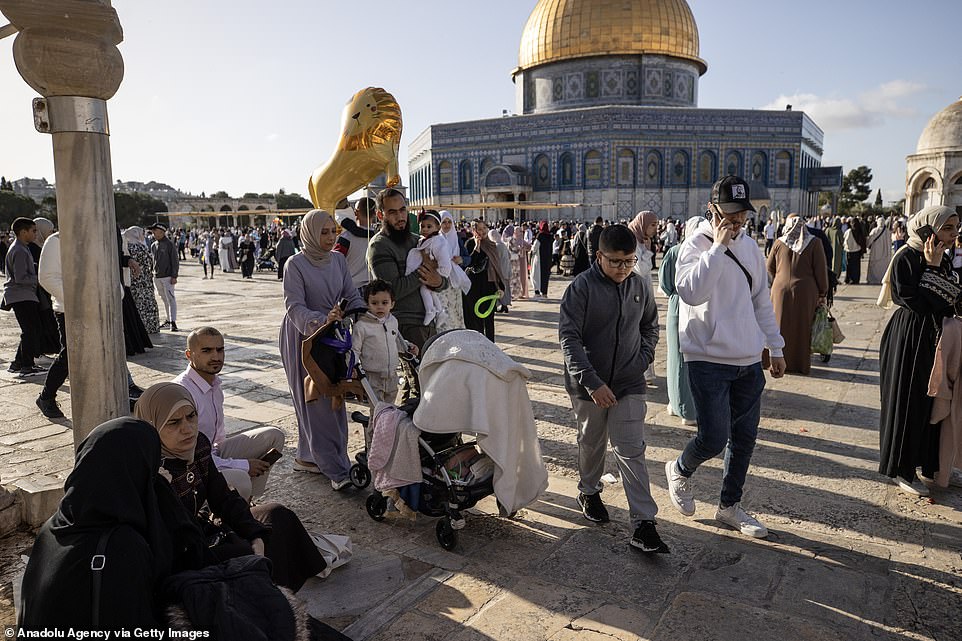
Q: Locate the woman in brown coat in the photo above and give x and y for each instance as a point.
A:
(799, 276)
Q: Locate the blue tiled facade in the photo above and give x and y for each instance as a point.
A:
(617, 160)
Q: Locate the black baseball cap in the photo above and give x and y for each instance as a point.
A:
(731, 195)
(160, 226)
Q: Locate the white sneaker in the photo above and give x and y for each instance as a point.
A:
(679, 489)
(734, 516)
(914, 487)
(689, 421)
(337, 486)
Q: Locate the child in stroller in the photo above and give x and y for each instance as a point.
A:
(266, 261)
(434, 472)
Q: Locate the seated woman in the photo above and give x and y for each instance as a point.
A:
(269, 530)
(124, 527)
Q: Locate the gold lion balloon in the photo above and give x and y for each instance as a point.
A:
(368, 146)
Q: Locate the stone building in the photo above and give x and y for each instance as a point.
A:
(607, 97)
(933, 174)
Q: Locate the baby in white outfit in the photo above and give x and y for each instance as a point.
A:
(434, 246)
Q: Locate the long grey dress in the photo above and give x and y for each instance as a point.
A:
(679, 388)
(310, 293)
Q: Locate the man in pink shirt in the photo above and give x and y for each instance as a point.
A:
(239, 456)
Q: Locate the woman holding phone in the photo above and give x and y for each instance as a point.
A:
(921, 282)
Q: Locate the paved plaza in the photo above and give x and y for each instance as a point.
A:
(849, 556)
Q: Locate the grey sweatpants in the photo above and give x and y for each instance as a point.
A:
(624, 426)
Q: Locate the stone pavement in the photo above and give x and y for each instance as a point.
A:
(849, 556)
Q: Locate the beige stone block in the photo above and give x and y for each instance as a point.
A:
(417, 625)
(34, 434)
(459, 598)
(40, 496)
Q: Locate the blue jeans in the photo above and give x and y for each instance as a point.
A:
(728, 402)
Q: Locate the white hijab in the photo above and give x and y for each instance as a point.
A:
(796, 235)
(451, 235)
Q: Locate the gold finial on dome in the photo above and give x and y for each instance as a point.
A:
(565, 29)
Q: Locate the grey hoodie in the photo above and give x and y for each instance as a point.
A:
(608, 333)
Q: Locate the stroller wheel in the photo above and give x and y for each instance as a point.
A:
(447, 537)
(376, 506)
(360, 476)
(826, 358)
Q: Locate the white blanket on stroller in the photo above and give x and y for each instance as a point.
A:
(469, 385)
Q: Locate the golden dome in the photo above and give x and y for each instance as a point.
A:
(565, 29)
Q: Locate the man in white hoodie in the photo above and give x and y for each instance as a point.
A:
(725, 321)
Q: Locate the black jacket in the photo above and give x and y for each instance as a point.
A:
(608, 333)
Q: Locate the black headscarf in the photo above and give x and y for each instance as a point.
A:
(114, 486)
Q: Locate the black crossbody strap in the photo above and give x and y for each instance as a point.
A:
(731, 254)
(97, 563)
(748, 276)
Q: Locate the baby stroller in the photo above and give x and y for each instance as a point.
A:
(505, 457)
(266, 262)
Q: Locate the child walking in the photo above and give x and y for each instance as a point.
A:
(608, 329)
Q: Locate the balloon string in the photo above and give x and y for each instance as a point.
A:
(491, 300)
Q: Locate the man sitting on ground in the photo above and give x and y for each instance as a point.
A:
(238, 457)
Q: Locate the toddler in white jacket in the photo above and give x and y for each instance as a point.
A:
(377, 341)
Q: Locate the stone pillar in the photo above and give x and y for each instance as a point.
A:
(67, 51)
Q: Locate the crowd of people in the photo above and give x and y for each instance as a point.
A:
(183, 511)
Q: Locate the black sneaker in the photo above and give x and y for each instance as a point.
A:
(164, 325)
(33, 370)
(174, 328)
(592, 507)
(49, 407)
(647, 540)
(134, 392)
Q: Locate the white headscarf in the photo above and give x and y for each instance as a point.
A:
(691, 225)
(796, 235)
(451, 235)
(935, 216)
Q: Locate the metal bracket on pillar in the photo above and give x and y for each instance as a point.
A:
(61, 114)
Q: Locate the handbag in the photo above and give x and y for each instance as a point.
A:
(822, 336)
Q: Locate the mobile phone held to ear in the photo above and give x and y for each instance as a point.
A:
(925, 232)
(272, 456)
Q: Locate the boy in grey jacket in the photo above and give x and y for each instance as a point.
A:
(608, 329)
(20, 295)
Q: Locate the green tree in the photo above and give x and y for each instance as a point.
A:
(878, 200)
(292, 201)
(5, 185)
(855, 189)
(220, 194)
(250, 194)
(13, 206)
(136, 208)
(48, 207)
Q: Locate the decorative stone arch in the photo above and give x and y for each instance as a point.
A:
(243, 208)
(542, 172)
(679, 173)
(784, 167)
(625, 172)
(707, 168)
(653, 169)
(593, 169)
(225, 207)
(758, 169)
(734, 164)
(465, 176)
(925, 187)
(566, 170)
(445, 177)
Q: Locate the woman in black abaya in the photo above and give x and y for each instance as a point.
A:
(110, 507)
(921, 282)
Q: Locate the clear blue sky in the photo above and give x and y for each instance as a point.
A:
(247, 96)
